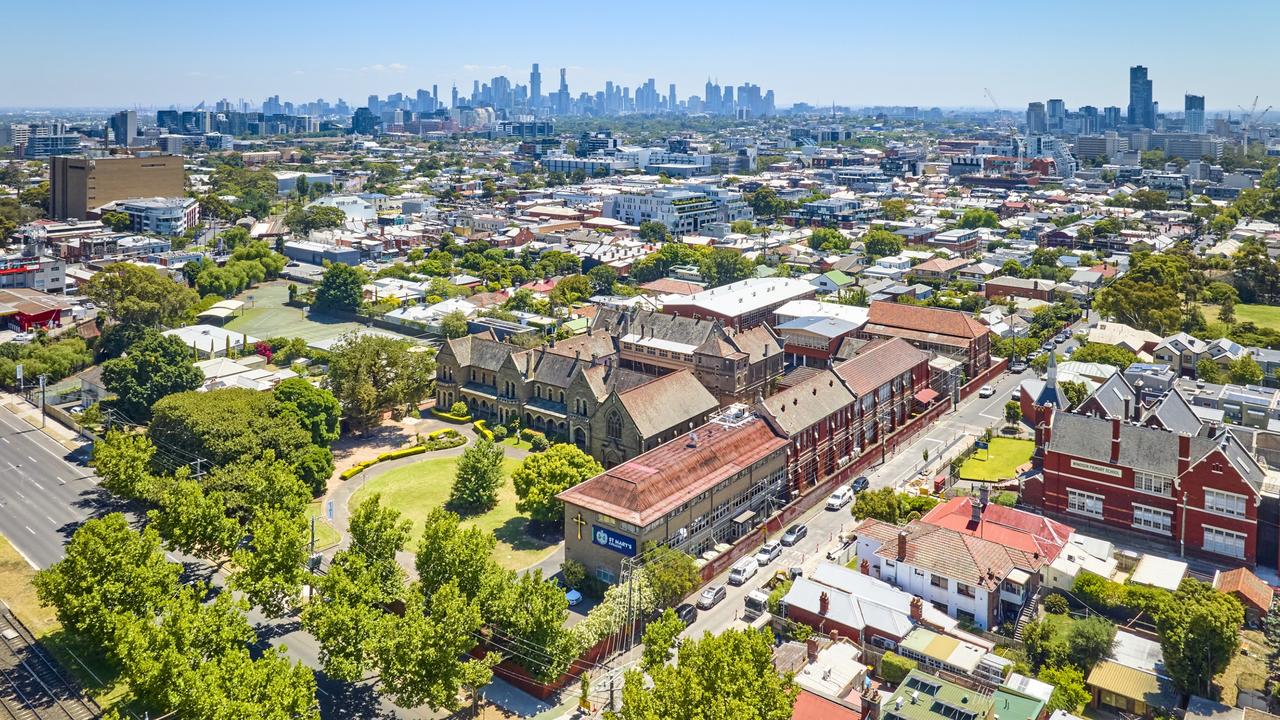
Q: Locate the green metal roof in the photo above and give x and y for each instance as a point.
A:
(924, 697)
(1011, 706)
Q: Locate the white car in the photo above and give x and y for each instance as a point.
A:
(768, 553)
(987, 391)
(841, 497)
(1017, 393)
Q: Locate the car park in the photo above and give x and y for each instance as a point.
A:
(768, 552)
(711, 597)
(841, 497)
(794, 534)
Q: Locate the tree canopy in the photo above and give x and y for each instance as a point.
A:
(543, 475)
(154, 367)
(1199, 635)
(341, 288)
(138, 295)
(371, 374)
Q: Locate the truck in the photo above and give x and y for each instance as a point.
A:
(757, 604)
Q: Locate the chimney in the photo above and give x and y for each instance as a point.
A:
(902, 545)
(1115, 440)
(824, 604)
(984, 495)
(1184, 453)
(811, 648)
(865, 567)
(975, 512)
(1127, 413)
(917, 609)
(693, 440)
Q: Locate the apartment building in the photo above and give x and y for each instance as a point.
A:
(80, 185)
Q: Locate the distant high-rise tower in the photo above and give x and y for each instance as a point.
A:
(535, 87)
(1037, 121)
(671, 97)
(1142, 111)
(1110, 117)
(1056, 113)
(453, 100)
(1193, 110)
(562, 97)
(124, 126)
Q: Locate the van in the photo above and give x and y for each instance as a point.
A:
(743, 570)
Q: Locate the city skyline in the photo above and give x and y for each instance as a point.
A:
(868, 64)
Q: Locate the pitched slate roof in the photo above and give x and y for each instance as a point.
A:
(878, 363)
(802, 405)
(648, 486)
(479, 351)
(666, 401)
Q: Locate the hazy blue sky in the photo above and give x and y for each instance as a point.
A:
(148, 52)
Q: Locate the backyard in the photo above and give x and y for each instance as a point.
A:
(415, 490)
(266, 316)
(1000, 462)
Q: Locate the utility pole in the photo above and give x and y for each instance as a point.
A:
(43, 379)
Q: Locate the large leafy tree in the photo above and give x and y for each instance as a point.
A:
(377, 534)
(454, 324)
(880, 243)
(1089, 641)
(719, 677)
(194, 521)
(236, 686)
(1199, 635)
(671, 573)
(370, 374)
(317, 409)
(1069, 691)
(273, 566)
(478, 479)
(111, 575)
(660, 639)
(543, 475)
(138, 295)
(340, 288)
(531, 612)
(449, 552)
(158, 655)
(253, 485)
(123, 461)
(154, 367)
(1113, 355)
(345, 617)
(420, 655)
(722, 266)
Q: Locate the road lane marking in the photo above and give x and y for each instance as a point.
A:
(51, 520)
(5, 439)
(28, 527)
(38, 485)
(31, 458)
(19, 494)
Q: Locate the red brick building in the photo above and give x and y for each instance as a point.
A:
(952, 333)
(1156, 469)
(833, 415)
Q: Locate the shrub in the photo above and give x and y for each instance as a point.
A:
(1055, 604)
(450, 417)
(539, 442)
(1098, 592)
(353, 471)
(459, 408)
(499, 433)
(573, 572)
(894, 668)
(483, 431)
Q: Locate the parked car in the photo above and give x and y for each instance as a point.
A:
(841, 497)
(711, 596)
(794, 534)
(743, 570)
(1017, 366)
(23, 337)
(1017, 393)
(861, 484)
(987, 391)
(768, 552)
(1059, 339)
(573, 596)
(1048, 346)
(687, 613)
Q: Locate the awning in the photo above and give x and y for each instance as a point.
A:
(927, 395)
(1019, 576)
(745, 517)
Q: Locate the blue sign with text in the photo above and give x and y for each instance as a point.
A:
(616, 542)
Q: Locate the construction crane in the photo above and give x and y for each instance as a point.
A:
(1249, 117)
(1013, 129)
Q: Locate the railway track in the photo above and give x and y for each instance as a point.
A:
(32, 686)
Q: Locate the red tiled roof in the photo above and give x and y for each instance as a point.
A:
(878, 363)
(952, 554)
(925, 319)
(1011, 527)
(1248, 586)
(648, 486)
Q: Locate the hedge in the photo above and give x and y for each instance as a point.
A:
(485, 432)
(449, 417)
(438, 440)
(894, 668)
(402, 452)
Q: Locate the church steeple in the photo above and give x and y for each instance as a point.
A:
(1050, 394)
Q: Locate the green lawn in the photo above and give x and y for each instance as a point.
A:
(326, 535)
(1001, 462)
(515, 442)
(266, 316)
(415, 490)
(1264, 316)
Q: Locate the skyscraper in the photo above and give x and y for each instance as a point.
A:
(562, 97)
(1056, 112)
(1110, 117)
(1142, 112)
(671, 97)
(1193, 110)
(535, 87)
(124, 126)
(1037, 121)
